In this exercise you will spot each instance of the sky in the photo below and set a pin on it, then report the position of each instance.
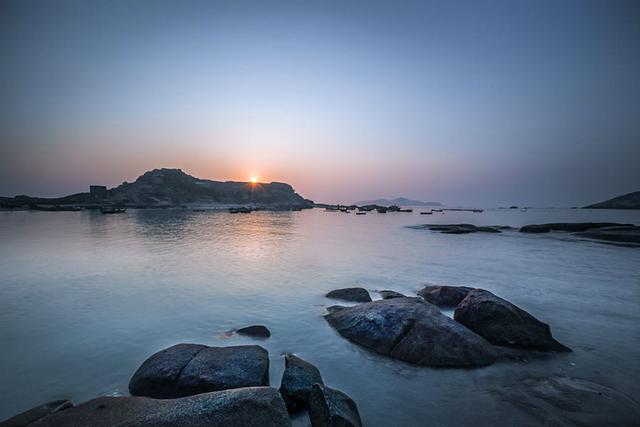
(471, 103)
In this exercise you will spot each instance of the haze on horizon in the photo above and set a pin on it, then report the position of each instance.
(480, 103)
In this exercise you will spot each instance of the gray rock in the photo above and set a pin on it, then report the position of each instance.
(332, 408)
(187, 369)
(259, 331)
(390, 294)
(244, 407)
(32, 415)
(620, 234)
(299, 375)
(350, 294)
(412, 330)
(444, 296)
(501, 322)
(573, 227)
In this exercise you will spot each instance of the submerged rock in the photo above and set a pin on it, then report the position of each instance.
(412, 330)
(259, 331)
(459, 228)
(187, 369)
(620, 234)
(332, 408)
(444, 296)
(501, 322)
(350, 294)
(32, 415)
(244, 407)
(567, 226)
(298, 378)
(386, 294)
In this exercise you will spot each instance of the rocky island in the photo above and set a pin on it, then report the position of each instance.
(161, 188)
(626, 201)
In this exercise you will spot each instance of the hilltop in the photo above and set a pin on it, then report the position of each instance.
(626, 201)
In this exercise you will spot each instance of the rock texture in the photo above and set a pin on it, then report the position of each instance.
(332, 408)
(245, 407)
(444, 296)
(390, 294)
(32, 415)
(188, 369)
(458, 228)
(298, 378)
(627, 201)
(350, 294)
(412, 330)
(501, 322)
(258, 331)
(567, 226)
(620, 234)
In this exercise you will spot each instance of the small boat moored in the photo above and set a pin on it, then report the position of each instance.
(113, 210)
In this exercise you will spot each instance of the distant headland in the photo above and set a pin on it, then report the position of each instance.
(626, 201)
(398, 201)
(163, 188)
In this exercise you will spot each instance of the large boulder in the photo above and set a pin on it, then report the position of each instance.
(297, 379)
(256, 331)
(350, 294)
(187, 369)
(444, 296)
(332, 408)
(32, 415)
(412, 330)
(501, 322)
(244, 407)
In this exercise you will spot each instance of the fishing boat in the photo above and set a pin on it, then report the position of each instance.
(426, 213)
(361, 213)
(113, 210)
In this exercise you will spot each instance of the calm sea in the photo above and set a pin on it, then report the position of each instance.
(86, 297)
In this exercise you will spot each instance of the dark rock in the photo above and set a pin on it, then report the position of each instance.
(412, 330)
(332, 408)
(32, 415)
(501, 322)
(253, 406)
(258, 331)
(444, 296)
(390, 294)
(567, 226)
(350, 294)
(187, 369)
(458, 228)
(621, 234)
(626, 201)
(297, 379)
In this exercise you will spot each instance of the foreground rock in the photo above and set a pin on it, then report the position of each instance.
(332, 408)
(620, 234)
(412, 330)
(34, 414)
(188, 369)
(390, 294)
(258, 331)
(444, 296)
(298, 378)
(458, 228)
(350, 294)
(501, 322)
(254, 406)
(567, 226)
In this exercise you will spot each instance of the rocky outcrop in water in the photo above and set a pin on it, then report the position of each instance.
(412, 330)
(298, 378)
(458, 228)
(188, 369)
(350, 294)
(256, 331)
(567, 226)
(332, 408)
(444, 296)
(626, 201)
(503, 323)
(619, 234)
(244, 407)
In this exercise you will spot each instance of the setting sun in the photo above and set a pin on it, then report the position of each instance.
(253, 179)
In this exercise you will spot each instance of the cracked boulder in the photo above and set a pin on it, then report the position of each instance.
(188, 369)
(503, 323)
(412, 330)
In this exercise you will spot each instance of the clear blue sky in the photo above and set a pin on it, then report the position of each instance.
(465, 102)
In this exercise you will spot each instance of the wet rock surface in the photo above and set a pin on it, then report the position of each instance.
(567, 226)
(298, 378)
(331, 408)
(619, 234)
(387, 294)
(257, 331)
(187, 369)
(444, 296)
(253, 406)
(32, 415)
(458, 228)
(412, 330)
(501, 322)
(350, 294)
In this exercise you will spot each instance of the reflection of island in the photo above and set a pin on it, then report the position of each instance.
(172, 187)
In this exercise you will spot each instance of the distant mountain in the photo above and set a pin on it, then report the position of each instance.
(399, 201)
(627, 201)
(173, 187)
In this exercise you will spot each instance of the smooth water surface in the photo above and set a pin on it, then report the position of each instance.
(86, 297)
